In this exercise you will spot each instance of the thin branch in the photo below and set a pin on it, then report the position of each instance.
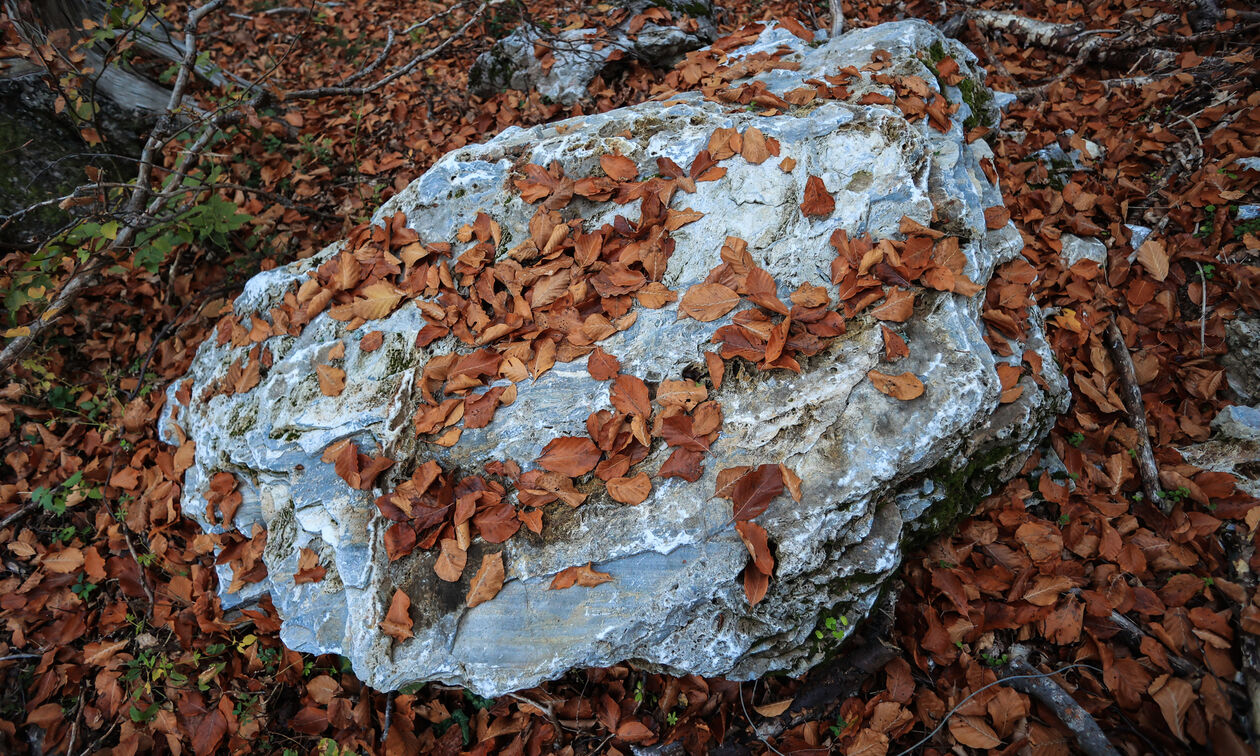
(1131, 394)
(397, 73)
(1024, 678)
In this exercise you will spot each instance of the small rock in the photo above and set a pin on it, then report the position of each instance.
(1076, 248)
(1238, 421)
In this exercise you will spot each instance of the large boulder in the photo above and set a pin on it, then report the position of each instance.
(560, 65)
(527, 281)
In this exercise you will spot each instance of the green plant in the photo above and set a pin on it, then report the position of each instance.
(994, 660)
(836, 628)
(1076, 439)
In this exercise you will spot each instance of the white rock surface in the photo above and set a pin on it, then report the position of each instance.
(578, 55)
(876, 471)
(1077, 248)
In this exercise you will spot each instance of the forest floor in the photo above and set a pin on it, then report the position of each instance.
(111, 636)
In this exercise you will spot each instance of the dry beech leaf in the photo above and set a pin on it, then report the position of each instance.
(1154, 258)
(309, 568)
(787, 164)
(619, 167)
(817, 202)
(717, 368)
(631, 491)
(65, 561)
(904, 387)
(570, 455)
(451, 561)
(488, 581)
(898, 306)
(973, 732)
(337, 352)
(995, 217)
(773, 709)
(756, 583)
(707, 302)
(757, 542)
(754, 148)
(602, 366)
(332, 380)
(371, 341)
(895, 347)
(585, 576)
(397, 623)
(792, 481)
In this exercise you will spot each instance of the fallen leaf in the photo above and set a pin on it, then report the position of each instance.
(996, 217)
(602, 365)
(773, 709)
(488, 581)
(707, 302)
(309, 568)
(898, 306)
(973, 732)
(451, 561)
(817, 202)
(570, 455)
(332, 380)
(717, 368)
(754, 147)
(585, 576)
(904, 386)
(756, 583)
(397, 623)
(756, 541)
(632, 491)
(619, 167)
(1154, 258)
(752, 492)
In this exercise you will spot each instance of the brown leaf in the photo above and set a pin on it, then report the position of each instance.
(898, 306)
(996, 217)
(631, 491)
(973, 732)
(752, 492)
(629, 394)
(894, 346)
(634, 731)
(371, 341)
(488, 581)
(792, 481)
(817, 202)
(773, 709)
(756, 541)
(570, 455)
(451, 561)
(602, 365)
(707, 302)
(309, 568)
(397, 623)
(754, 148)
(756, 583)
(619, 167)
(65, 561)
(1154, 258)
(717, 368)
(787, 164)
(585, 576)
(904, 387)
(685, 464)
(332, 380)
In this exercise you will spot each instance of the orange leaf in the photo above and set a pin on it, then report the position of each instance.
(996, 217)
(756, 541)
(754, 148)
(756, 583)
(818, 201)
(570, 455)
(619, 167)
(630, 490)
(717, 368)
(707, 302)
(973, 732)
(397, 623)
(488, 581)
(602, 365)
(898, 306)
(585, 576)
(904, 387)
(1154, 258)
(332, 380)
(450, 563)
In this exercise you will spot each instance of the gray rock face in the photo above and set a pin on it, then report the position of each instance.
(1241, 371)
(876, 472)
(578, 55)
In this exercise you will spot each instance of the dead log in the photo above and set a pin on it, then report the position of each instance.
(1131, 395)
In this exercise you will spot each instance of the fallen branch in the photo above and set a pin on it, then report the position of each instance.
(1020, 675)
(1131, 395)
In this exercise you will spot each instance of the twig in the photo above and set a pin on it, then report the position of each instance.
(6, 522)
(15, 657)
(397, 73)
(1131, 395)
(755, 729)
(1203, 304)
(1003, 681)
(837, 17)
(389, 714)
(1022, 677)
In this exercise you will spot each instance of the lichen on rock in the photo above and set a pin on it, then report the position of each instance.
(328, 468)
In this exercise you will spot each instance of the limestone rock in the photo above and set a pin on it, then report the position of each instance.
(572, 58)
(1077, 248)
(877, 472)
(1242, 335)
